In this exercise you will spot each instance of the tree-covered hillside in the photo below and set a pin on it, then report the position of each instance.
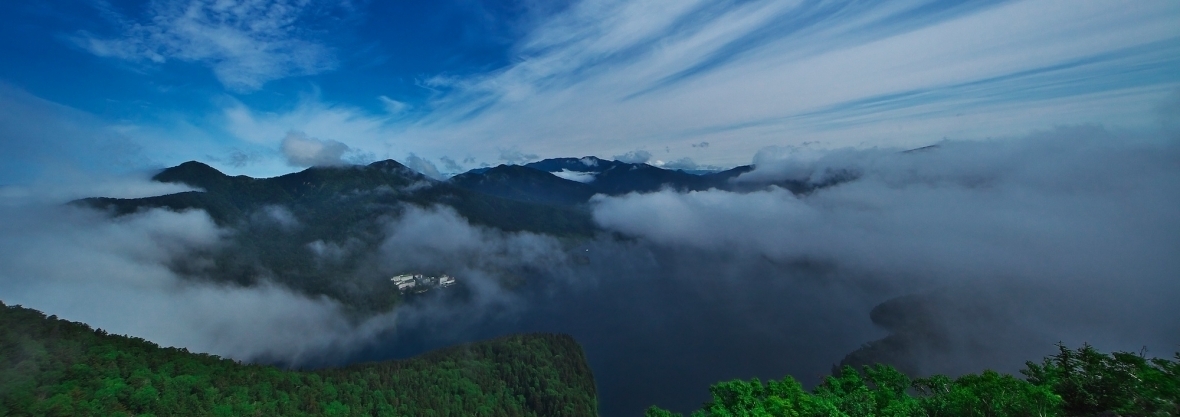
(341, 199)
(1082, 382)
(525, 184)
(538, 182)
(55, 367)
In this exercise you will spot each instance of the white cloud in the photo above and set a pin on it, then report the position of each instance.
(682, 163)
(437, 240)
(303, 151)
(423, 166)
(634, 157)
(279, 216)
(606, 76)
(393, 107)
(245, 43)
(516, 156)
(438, 237)
(582, 177)
(114, 274)
(71, 184)
(450, 164)
(1057, 232)
(364, 132)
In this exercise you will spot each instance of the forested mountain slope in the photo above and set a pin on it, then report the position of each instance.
(617, 178)
(525, 184)
(572, 181)
(345, 198)
(1081, 382)
(50, 366)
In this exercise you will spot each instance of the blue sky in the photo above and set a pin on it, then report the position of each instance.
(266, 87)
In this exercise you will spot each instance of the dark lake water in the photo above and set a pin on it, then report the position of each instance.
(659, 328)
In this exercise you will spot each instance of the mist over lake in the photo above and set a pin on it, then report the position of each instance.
(650, 339)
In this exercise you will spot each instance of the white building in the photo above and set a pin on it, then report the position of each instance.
(405, 278)
(408, 281)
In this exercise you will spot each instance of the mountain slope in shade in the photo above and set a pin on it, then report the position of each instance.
(50, 366)
(617, 178)
(523, 183)
(584, 164)
(343, 196)
(572, 181)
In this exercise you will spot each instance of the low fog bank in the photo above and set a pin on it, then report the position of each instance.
(490, 266)
(67, 185)
(148, 275)
(115, 274)
(1069, 235)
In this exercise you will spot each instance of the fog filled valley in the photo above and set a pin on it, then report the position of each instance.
(946, 259)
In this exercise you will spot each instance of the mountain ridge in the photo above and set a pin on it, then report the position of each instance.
(602, 176)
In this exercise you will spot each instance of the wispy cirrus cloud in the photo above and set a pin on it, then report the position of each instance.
(606, 75)
(245, 43)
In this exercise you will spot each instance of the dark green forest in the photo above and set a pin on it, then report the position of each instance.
(54, 367)
(1081, 382)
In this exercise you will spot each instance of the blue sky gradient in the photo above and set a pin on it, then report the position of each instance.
(118, 86)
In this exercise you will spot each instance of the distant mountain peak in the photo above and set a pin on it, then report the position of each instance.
(524, 183)
(191, 168)
(193, 173)
(388, 164)
(583, 164)
(394, 167)
(590, 161)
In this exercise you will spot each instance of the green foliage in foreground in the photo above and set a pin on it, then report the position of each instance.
(1080, 382)
(55, 367)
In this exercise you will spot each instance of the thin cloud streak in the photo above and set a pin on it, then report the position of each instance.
(245, 44)
(607, 76)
